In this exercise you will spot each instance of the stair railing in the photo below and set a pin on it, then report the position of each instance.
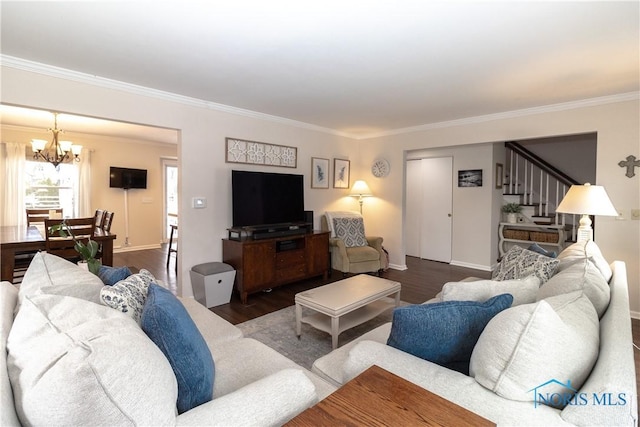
(537, 180)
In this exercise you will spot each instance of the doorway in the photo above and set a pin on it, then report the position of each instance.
(429, 201)
(170, 191)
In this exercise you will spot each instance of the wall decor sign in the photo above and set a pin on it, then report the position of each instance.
(630, 164)
(470, 178)
(260, 153)
(319, 172)
(341, 173)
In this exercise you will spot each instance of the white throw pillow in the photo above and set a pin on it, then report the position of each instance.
(128, 295)
(581, 275)
(524, 291)
(74, 362)
(330, 215)
(582, 250)
(50, 274)
(538, 348)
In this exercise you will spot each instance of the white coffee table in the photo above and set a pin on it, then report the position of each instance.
(345, 304)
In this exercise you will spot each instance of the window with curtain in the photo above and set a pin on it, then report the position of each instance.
(47, 187)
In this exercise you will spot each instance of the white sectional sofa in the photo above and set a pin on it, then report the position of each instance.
(69, 360)
(608, 396)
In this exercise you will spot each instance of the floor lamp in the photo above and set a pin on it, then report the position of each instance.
(586, 200)
(360, 190)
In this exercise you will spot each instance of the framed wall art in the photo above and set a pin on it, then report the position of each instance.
(341, 170)
(319, 172)
(260, 153)
(470, 178)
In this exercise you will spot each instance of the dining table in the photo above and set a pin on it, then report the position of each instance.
(18, 239)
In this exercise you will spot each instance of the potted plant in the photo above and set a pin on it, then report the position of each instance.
(512, 210)
(87, 252)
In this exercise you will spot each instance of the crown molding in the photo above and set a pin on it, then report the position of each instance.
(53, 71)
(591, 102)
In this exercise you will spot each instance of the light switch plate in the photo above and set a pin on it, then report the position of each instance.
(199, 202)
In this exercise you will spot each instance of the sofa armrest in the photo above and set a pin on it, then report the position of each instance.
(375, 242)
(272, 400)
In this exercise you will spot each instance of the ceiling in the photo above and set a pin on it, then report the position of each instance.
(359, 68)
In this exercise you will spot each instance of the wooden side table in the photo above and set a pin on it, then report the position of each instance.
(379, 398)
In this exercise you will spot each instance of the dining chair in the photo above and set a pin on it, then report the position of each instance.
(23, 259)
(82, 228)
(99, 218)
(37, 216)
(171, 249)
(108, 220)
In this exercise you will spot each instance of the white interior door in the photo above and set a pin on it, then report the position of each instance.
(437, 202)
(170, 169)
(413, 208)
(429, 201)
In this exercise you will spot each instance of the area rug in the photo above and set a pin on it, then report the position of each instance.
(278, 331)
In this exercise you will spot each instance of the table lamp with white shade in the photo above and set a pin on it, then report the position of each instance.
(360, 189)
(586, 200)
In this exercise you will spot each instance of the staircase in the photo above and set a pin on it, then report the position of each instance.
(538, 187)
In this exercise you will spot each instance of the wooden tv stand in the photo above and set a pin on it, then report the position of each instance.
(268, 263)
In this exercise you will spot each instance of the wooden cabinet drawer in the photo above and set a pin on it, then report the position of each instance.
(291, 273)
(289, 258)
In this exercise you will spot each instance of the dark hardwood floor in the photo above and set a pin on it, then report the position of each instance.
(421, 281)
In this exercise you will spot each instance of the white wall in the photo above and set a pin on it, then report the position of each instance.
(618, 128)
(205, 174)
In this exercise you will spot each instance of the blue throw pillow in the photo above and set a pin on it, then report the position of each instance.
(542, 251)
(167, 323)
(112, 275)
(444, 332)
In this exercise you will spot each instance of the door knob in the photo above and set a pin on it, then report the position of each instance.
(449, 215)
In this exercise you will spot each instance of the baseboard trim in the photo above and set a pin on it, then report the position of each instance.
(635, 315)
(469, 265)
(119, 249)
(400, 267)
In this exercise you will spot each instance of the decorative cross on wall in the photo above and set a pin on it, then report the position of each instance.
(630, 164)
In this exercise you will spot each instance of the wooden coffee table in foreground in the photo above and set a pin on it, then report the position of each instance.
(346, 303)
(379, 398)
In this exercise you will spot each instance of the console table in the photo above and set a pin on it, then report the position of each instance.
(378, 397)
(268, 263)
(528, 233)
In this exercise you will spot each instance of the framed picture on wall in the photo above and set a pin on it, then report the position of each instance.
(319, 172)
(470, 178)
(341, 173)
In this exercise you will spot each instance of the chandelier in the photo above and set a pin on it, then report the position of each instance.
(58, 151)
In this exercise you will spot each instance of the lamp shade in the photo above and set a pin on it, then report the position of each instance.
(587, 199)
(360, 188)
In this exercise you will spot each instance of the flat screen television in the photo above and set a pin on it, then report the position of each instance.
(127, 178)
(265, 198)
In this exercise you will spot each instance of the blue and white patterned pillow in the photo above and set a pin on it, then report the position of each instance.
(351, 231)
(128, 295)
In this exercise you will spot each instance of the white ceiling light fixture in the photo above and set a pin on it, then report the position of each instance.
(58, 151)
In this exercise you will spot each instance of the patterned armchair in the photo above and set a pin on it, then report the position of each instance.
(351, 250)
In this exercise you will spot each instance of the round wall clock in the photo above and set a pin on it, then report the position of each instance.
(380, 168)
